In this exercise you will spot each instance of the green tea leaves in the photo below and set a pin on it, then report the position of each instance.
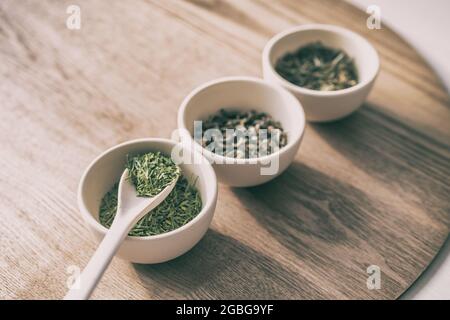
(151, 173)
(318, 67)
(181, 206)
(242, 134)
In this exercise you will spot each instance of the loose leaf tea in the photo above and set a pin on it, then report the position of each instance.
(181, 206)
(242, 134)
(318, 67)
(151, 173)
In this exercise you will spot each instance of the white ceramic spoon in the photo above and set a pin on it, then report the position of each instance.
(130, 208)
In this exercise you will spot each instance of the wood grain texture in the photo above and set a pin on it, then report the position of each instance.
(370, 189)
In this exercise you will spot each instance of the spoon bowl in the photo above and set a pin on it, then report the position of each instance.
(132, 207)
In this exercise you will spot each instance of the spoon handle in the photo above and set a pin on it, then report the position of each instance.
(129, 210)
(91, 275)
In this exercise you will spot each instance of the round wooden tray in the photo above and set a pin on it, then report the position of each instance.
(371, 189)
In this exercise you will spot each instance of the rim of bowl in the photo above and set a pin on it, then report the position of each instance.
(206, 167)
(223, 159)
(340, 31)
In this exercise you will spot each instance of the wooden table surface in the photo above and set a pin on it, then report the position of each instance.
(371, 189)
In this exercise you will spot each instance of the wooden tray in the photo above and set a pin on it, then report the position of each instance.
(368, 190)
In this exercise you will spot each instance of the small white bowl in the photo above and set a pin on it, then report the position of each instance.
(106, 170)
(324, 105)
(244, 93)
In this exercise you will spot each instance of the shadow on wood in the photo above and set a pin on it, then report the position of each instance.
(221, 267)
(315, 215)
(398, 155)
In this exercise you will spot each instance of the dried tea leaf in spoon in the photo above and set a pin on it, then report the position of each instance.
(151, 172)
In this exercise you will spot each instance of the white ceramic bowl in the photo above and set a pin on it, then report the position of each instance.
(104, 171)
(244, 93)
(324, 105)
